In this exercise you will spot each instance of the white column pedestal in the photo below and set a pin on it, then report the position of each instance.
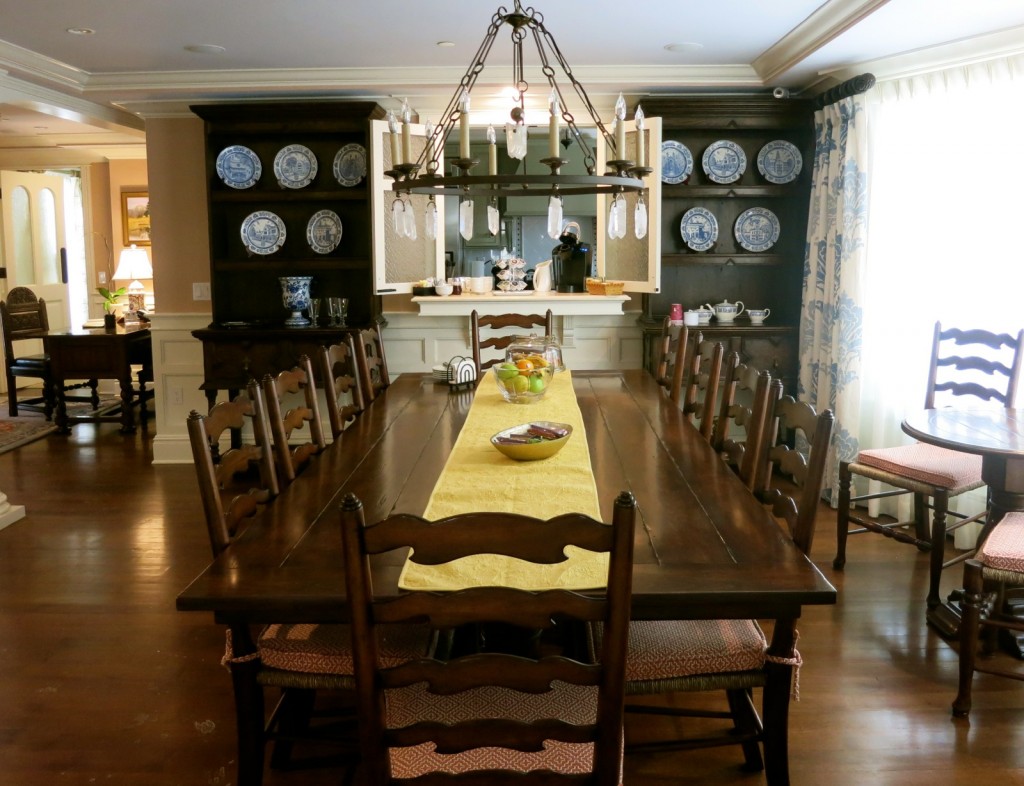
(9, 513)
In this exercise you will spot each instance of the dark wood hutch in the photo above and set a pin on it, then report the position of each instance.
(726, 271)
(247, 337)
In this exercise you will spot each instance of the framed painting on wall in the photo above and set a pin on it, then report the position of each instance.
(135, 217)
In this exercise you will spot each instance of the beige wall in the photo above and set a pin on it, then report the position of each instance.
(177, 187)
(104, 242)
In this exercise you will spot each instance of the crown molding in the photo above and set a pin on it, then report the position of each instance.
(68, 107)
(966, 51)
(37, 67)
(821, 27)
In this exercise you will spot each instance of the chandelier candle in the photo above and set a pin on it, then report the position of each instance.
(492, 151)
(620, 128)
(641, 150)
(396, 153)
(464, 124)
(556, 110)
(407, 134)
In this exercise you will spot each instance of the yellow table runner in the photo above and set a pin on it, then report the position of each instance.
(477, 477)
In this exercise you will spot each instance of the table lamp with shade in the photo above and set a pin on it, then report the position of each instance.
(132, 265)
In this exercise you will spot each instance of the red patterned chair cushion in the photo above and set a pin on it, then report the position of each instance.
(949, 469)
(1003, 549)
(684, 648)
(327, 649)
(571, 703)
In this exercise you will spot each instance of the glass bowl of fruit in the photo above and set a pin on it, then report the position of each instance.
(522, 382)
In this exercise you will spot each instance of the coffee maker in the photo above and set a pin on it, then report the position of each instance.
(572, 260)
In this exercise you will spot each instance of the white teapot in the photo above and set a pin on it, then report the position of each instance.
(726, 312)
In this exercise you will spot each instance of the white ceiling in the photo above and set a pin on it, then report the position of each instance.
(92, 92)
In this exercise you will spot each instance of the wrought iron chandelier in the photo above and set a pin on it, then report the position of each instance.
(424, 175)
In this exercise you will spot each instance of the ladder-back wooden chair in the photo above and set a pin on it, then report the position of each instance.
(490, 717)
(293, 456)
(745, 453)
(672, 346)
(703, 376)
(689, 656)
(339, 370)
(372, 363)
(967, 367)
(23, 318)
(501, 322)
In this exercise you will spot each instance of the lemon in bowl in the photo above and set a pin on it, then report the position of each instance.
(521, 383)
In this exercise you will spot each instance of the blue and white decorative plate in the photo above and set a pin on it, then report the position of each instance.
(676, 162)
(323, 232)
(263, 232)
(294, 166)
(238, 166)
(699, 228)
(724, 161)
(350, 165)
(779, 162)
(757, 229)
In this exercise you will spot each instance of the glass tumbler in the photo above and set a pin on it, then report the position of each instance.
(338, 310)
(314, 311)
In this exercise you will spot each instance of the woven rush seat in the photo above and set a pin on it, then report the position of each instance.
(672, 651)
(327, 649)
(951, 469)
(570, 703)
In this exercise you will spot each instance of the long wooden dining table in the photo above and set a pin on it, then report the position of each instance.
(705, 547)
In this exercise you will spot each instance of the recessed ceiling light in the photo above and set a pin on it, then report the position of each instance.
(686, 46)
(80, 30)
(446, 44)
(206, 49)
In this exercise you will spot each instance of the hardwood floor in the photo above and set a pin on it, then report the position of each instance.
(104, 682)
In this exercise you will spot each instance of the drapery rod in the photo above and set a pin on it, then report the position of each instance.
(851, 87)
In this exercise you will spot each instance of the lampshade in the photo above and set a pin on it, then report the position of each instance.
(133, 264)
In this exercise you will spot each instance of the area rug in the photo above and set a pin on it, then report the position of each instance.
(30, 426)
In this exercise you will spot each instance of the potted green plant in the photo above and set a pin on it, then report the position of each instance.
(110, 299)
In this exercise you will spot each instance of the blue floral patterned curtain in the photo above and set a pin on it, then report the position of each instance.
(831, 315)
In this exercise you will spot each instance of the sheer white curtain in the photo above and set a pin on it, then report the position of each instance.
(946, 227)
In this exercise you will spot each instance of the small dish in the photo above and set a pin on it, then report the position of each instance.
(422, 291)
(444, 290)
(724, 161)
(779, 162)
(757, 229)
(544, 447)
(350, 165)
(699, 228)
(323, 232)
(263, 232)
(295, 166)
(676, 162)
(238, 166)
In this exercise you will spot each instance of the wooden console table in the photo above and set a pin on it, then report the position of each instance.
(100, 354)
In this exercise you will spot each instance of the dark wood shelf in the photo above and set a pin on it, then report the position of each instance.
(356, 194)
(704, 258)
(734, 191)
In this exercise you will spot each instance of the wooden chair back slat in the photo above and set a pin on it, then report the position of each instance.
(372, 363)
(284, 423)
(339, 370)
(995, 359)
(478, 322)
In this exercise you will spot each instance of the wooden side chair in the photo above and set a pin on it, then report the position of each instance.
(732, 655)
(296, 659)
(966, 366)
(672, 346)
(339, 370)
(499, 322)
(490, 717)
(235, 484)
(703, 376)
(996, 569)
(372, 363)
(746, 453)
(293, 456)
(23, 318)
